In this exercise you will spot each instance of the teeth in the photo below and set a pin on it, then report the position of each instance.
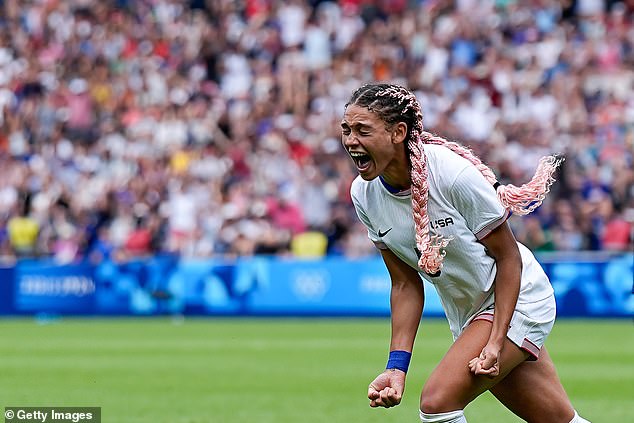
(357, 154)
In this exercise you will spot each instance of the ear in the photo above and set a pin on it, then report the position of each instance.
(399, 133)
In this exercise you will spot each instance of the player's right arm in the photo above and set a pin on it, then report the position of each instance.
(406, 303)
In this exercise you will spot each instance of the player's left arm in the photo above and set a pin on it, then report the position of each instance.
(476, 200)
(502, 246)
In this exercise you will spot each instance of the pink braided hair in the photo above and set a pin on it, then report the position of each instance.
(521, 200)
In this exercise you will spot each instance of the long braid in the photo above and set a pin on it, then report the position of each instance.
(430, 247)
(397, 104)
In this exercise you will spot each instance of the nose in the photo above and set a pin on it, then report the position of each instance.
(349, 140)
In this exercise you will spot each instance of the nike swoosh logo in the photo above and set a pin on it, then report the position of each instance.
(382, 234)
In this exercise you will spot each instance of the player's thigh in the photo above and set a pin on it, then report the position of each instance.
(452, 386)
(534, 392)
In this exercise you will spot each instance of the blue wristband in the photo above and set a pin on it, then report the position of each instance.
(399, 360)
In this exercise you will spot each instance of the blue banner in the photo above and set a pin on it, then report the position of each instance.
(585, 285)
(334, 286)
(7, 279)
(591, 285)
(44, 287)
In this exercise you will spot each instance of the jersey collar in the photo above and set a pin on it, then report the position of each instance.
(393, 190)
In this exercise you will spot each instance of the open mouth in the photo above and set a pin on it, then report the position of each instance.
(361, 160)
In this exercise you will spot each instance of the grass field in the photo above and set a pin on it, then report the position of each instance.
(273, 370)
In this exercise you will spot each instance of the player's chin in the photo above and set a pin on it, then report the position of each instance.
(368, 174)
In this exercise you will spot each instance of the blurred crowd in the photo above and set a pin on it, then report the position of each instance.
(211, 128)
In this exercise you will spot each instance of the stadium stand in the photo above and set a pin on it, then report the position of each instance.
(211, 128)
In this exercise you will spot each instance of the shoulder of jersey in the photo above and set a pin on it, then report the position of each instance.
(439, 151)
(359, 184)
(443, 156)
(361, 189)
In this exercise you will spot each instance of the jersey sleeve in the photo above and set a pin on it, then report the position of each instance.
(476, 200)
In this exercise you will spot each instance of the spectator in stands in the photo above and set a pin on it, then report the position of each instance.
(23, 230)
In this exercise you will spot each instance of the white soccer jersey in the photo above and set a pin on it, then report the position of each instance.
(462, 206)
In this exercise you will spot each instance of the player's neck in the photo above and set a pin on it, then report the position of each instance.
(393, 186)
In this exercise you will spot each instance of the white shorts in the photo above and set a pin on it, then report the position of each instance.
(530, 325)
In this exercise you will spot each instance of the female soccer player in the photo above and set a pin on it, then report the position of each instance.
(435, 210)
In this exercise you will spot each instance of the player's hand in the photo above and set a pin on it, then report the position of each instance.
(387, 389)
(487, 363)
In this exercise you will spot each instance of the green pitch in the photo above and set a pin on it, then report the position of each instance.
(274, 370)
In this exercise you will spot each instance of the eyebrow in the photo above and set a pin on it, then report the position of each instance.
(356, 125)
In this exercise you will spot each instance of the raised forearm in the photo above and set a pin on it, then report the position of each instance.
(406, 301)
